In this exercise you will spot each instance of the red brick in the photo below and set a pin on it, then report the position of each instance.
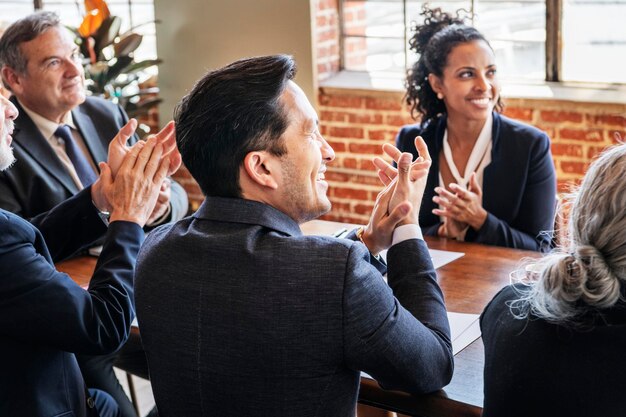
(326, 4)
(367, 180)
(607, 119)
(560, 149)
(364, 148)
(341, 101)
(377, 134)
(337, 146)
(594, 151)
(382, 104)
(561, 116)
(519, 113)
(591, 135)
(322, 69)
(399, 121)
(346, 132)
(363, 208)
(327, 34)
(333, 116)
(350, 193)
(336, 176)
(615, 139)
(365, 118)
(570, 167)
(349, 163)
(367, 165)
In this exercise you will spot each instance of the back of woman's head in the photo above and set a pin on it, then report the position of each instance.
(433, 40)
(588, 274)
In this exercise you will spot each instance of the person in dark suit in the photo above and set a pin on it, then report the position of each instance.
(59, 139)
(45, 318)
(558, 334)
(243, 315)
(492, 179)
(41, 67)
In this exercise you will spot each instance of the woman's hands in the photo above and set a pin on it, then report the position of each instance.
(460, 207)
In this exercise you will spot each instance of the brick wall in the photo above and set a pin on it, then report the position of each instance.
(326, 38)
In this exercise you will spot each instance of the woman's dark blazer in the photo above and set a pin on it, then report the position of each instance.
(519, 185)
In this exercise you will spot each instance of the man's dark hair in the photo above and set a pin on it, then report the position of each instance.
(230, 112)
(24, 30)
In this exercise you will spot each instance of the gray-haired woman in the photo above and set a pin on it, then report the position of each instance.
(555, 345)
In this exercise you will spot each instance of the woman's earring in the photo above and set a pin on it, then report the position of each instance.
(440, 96)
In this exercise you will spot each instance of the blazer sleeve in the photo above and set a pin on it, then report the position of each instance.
(45, 307)
(397, 333)
(71, 226)
(532, 229)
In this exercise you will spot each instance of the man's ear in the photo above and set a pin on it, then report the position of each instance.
(262, 168)
(12, 80)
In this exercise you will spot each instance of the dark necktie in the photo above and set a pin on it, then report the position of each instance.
(83, 169)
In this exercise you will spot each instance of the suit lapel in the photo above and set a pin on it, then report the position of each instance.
(90, 135)
(492, 175)
(28, 137)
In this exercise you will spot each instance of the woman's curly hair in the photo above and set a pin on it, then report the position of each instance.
(433, 40)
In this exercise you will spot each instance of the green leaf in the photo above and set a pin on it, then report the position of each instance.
(106, 33)
(121, 63)
(127, 44)
(141, 65)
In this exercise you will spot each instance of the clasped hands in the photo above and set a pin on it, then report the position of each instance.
(132, 184)
(460, 207)
(399, 202)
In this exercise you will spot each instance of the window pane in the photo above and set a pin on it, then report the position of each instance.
(10, 11)
(374, 54)
(594, 41)
(373, 18)
(142, 18)
(516, 32)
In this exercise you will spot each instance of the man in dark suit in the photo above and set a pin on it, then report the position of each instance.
(41, 66)
(59, 139)
(240, 313)
(45, 318)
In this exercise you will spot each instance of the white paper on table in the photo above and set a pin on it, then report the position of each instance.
(464, 329)
(439, 257)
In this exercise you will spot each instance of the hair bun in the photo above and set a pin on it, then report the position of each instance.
(601, 287)
(434, 21)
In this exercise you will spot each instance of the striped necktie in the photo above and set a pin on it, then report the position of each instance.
(83, 169)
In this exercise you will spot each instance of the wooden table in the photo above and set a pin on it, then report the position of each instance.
(468, 284)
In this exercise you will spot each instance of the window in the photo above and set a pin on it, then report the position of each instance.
(591, 46)
(138, 14)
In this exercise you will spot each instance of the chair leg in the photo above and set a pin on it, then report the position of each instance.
(133, 394)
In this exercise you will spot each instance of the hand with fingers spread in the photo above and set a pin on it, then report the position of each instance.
(399, 202)
(461, 206)
(119, 149)
(133, 192)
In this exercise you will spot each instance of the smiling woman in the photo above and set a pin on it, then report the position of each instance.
(492, 180)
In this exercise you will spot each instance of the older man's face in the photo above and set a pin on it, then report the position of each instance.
(8, 113)
(53, 83)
